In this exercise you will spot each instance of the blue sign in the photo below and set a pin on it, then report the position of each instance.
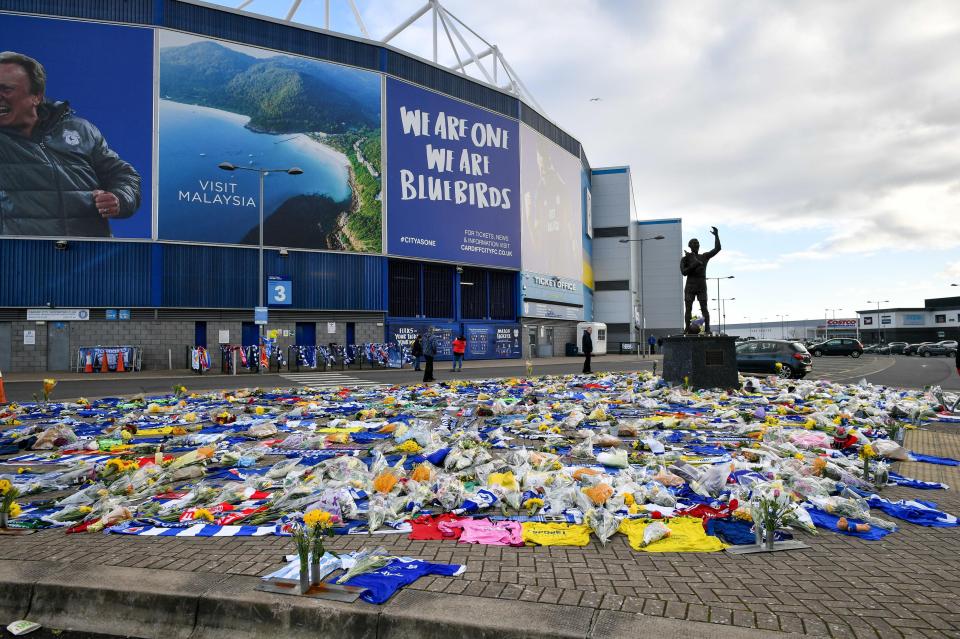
(913, 319)
(111, 314)
(453, 184)
(550, 288)
(260, 315)
(280, 292)
(493, 341)
(124, 313)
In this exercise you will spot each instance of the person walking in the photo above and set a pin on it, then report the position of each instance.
(652, 342)
(459, 349)
(429, 352)
(416, 349)
(586, 345)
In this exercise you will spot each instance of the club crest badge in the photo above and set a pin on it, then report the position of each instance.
(71, 137)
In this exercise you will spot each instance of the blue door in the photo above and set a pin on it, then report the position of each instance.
(351, 335)
(200, 334)
(306, 334)
(251, 334)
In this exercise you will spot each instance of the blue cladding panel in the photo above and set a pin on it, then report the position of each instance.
(229, 26)
(451, 83)
(225, 277)
(548, 129)
(34, 272)
(132, 11)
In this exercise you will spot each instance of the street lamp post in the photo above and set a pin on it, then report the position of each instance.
(878, 303)
(722, 312)
(781, 324)
(725, 277)
(228, 166)
(643, 310)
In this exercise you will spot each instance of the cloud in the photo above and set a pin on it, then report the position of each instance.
(951, 272)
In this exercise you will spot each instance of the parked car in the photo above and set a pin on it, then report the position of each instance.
(762, 356)
(949, 343)
(896, 348)
(930, 350)
(883, 349)
(911, 349)
(838, 346)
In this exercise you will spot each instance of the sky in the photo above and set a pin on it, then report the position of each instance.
(822, 138)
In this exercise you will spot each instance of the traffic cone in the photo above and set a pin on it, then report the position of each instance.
(3, 393)
(120, 368)
(88, 368)
(104, 366)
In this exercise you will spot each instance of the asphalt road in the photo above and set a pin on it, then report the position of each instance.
(896, 370)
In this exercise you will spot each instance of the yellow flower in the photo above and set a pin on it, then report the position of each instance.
(410, 446)
(190, 417)
(867, 452)
(505, 480)
(202, 514)
(14, 510)
(533, 504)
(798, 456)
(5, 486)
(84, 509)
(48, 385)
(316, 518)
(259, 410)
(628, 499)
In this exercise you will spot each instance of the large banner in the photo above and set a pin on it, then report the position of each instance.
(454, 180)
(76, 129)
(552, 207)
(492, 341)
(258, 109)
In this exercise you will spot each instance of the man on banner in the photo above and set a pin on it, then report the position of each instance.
(57, 174)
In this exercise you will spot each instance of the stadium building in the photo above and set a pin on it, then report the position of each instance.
(395, 194)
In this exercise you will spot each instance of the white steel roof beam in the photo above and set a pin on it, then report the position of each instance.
(406, 23)
(466, 45)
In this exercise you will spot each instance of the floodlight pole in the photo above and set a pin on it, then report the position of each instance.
(227, 166)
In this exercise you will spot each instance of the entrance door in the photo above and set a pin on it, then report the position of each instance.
(306, 334)
(6, 345)
(200, 334)
(58, 346)
(351, 333)
(532, 334)
(250, 335)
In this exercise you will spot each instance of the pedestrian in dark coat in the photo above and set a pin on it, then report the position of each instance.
(429, 352)
(416, 349)
(586, 345)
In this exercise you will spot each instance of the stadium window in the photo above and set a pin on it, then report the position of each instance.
(940, 319)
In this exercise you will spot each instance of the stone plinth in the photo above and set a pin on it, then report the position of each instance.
(706, 361)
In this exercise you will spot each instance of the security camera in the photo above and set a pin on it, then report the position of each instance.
(284, 252)
(460, 270)
(61, 245)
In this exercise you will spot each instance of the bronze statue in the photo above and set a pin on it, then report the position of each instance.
(694, 266)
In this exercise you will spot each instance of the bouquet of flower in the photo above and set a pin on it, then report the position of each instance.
(46, 390)
(366, 561)
(769, 508)
(8, 505)
(655, 531)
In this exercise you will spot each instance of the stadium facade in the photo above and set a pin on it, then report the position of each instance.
(422, 197)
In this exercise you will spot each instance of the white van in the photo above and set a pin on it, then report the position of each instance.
(599, 337)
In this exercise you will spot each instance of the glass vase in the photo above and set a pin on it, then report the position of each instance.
(3, 520)
(304, 577)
